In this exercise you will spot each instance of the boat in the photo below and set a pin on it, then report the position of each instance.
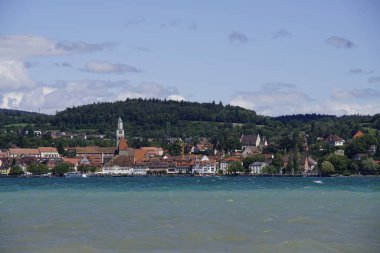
(318, 182)
(73, 174)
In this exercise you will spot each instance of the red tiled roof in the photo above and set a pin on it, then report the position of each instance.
(48, 150)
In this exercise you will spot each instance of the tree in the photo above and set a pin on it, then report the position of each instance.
(61, 168)
(327, 168)
(340, 163)
(270, 169)
(235, 167)
(368, 166)
(38, 169)
(16, 171)
(277, 161)
(251, 159)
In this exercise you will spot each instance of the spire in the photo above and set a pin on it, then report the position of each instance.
(120, 124)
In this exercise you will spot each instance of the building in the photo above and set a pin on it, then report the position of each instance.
(24, 152)
(5, 166)
(119, 131)
(4, 153)
(48, 152)
(250, 151)
(224, 163)
(153, 151)
(334, 140)
(204, 166)
(253, 141)
(257, 167)
(307, 164)
(250, 141)
(358, 134)
(96, 155)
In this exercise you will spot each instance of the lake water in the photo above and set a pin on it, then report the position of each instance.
(189, 214)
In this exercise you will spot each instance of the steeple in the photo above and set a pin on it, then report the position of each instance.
(120, 124)
(119, 131)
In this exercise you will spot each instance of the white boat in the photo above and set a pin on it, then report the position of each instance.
(318, 182)
(73, 174)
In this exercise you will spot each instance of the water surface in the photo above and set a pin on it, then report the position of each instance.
(189, 214)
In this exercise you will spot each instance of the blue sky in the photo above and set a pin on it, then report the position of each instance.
(275, 57)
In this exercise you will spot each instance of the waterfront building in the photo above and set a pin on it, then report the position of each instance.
(257, 167)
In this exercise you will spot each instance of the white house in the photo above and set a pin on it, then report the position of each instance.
(257, 167)
(48, 152)
(204, 167)
(335, 141)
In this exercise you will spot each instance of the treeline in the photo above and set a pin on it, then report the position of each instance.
(151, 111)
(161, 119)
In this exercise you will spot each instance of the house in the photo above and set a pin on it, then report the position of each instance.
(48, 152)
(157, 165)
(5, 166)
(358, 134)
(307, 164)
(334, 140)
(203, 145)
(224, 163)
(153, 151)
(183, 165)
(204, 166)
(4, 153)
(250, 151)
(257, 167)
(24, 152)
(99, 155)
(74, 162)
(250, 141)
(372, 150)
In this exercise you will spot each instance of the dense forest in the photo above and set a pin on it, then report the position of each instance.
(160, 119)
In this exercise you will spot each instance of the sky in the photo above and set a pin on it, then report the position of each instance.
(275, 57)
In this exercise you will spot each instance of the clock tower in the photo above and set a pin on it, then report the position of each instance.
(119, 131)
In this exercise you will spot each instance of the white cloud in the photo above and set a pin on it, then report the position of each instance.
(14, 76)
(11, 100)
(146, 90)
(365, 94)
(176, 97)
(63, 94)
(280, 98)
(273, 99)
(106, 67)
(18, 47)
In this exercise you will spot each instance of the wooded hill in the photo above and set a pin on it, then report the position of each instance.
(153, 118)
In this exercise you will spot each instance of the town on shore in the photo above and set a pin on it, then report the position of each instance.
(256, 157)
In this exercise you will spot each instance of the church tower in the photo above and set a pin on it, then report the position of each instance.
(119, 131)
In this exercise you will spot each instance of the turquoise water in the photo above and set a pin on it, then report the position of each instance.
(185, 214)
